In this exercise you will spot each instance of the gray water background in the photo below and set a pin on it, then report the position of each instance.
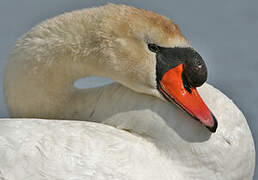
(224, 32)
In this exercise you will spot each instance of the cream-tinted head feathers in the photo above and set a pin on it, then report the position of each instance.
(126, 33)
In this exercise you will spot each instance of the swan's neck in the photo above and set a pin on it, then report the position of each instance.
(47, 61)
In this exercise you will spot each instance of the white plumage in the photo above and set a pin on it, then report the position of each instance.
(164, 144)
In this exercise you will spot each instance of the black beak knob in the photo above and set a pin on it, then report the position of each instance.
(195, 70)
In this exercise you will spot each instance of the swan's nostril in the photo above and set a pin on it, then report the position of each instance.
(187, 86)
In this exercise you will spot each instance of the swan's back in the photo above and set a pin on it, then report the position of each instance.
(50, 149)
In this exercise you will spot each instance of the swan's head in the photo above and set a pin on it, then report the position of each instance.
(147, 53)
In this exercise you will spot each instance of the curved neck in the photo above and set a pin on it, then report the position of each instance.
(47, 61)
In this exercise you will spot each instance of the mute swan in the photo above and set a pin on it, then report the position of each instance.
(147, 55)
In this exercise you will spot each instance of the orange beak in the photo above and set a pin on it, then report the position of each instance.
(173, 88)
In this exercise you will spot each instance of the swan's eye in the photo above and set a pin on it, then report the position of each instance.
(153, 47)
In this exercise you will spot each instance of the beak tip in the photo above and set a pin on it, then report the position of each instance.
(215, 125)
